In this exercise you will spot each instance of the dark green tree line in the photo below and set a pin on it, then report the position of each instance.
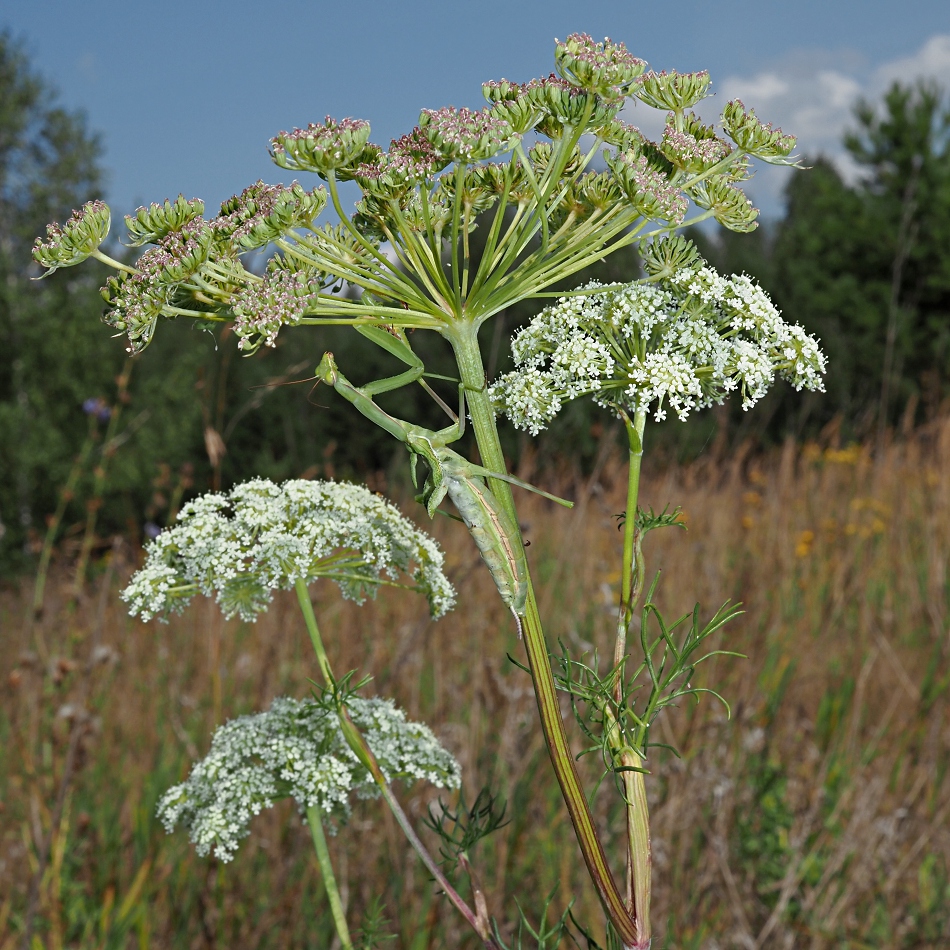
(55, 356)
(865, 265)
(48, 361)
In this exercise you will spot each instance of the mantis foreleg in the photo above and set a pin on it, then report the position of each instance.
(393, 341)
(327, 372)
(399, 347)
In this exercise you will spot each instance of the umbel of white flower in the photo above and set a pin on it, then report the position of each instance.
(683, 338)
(242, 545)
(296, 749)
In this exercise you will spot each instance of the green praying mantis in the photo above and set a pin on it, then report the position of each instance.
(498, 539)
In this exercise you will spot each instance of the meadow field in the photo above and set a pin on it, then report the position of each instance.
(817, 816)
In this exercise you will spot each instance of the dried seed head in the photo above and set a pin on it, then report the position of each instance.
(72, 242)
(461, 135)
(149, 225)
(607, 69)
(756, 137)
(673, 90)
(322, 148)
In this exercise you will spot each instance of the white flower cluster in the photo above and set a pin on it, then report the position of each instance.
(682, 343)
(296, 749)
(259, 537)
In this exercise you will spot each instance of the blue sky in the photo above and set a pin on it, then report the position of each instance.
(187, 94)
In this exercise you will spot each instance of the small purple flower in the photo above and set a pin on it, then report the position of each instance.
(97, 407)
(151, 530)
(412, 158)
(413, 154)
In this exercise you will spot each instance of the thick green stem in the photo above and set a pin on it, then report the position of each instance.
(638, 843)
(329, 880)
(639, 861)
(364, 753)
(639, 855)
(631, 575)
(465, 344)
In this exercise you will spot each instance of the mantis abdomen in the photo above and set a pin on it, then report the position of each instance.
(497, 538)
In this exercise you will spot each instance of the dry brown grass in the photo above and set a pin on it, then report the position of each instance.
(816, 817)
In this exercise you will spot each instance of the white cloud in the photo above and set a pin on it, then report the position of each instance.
(812, 94)
(931, 62)
(765, 87)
